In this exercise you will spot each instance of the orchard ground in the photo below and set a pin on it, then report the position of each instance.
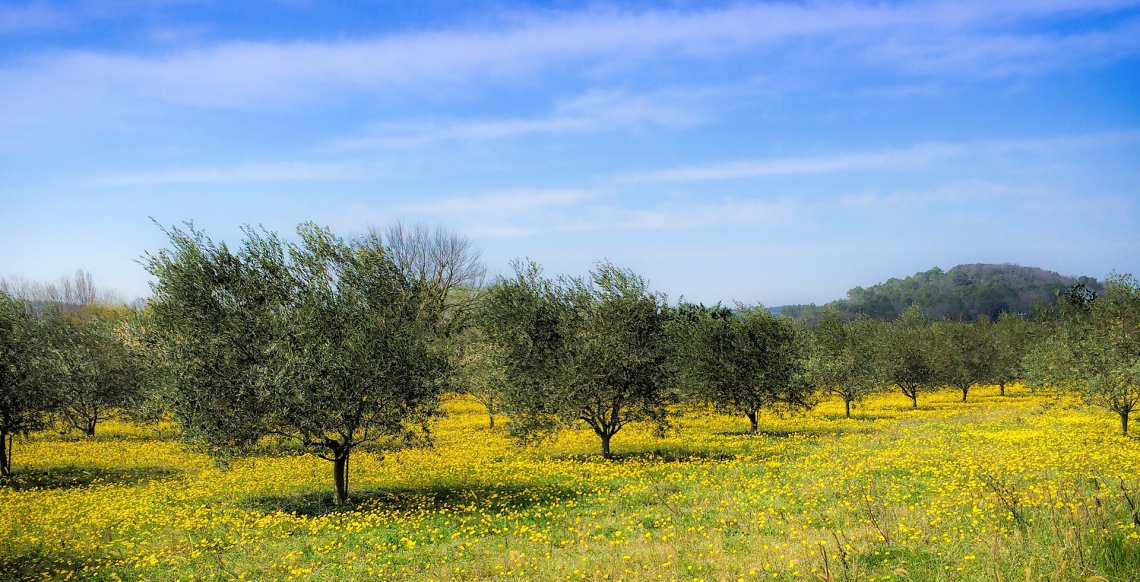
(1023, 487)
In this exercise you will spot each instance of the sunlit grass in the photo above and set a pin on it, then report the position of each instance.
(1009, 488)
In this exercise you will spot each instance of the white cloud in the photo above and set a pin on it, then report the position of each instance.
(592, 112)
(522, 200)
(801, 165)
(32, 17)
(533, 212)
(965, 37)
(258, 172)
(903, 159)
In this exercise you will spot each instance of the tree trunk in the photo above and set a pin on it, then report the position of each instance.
(1001, 386)
(1124, 423)
(606, 454)
(914, 398)
(753, 424)
(340, 474)
(965, 389)
(5, 454)
(847, 403)
(491, 416)
(89, 430)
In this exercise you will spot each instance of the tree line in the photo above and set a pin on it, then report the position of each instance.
(963, 292)
(334, 344)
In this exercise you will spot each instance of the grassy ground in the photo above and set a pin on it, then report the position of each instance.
(1022, 487)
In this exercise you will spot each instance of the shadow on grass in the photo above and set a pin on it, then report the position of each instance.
(458, 499)
(657, 455)
(71, 476)
(36, 564)
(810, 431)
(862, 416)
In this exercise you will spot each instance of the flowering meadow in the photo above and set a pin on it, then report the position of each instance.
(1021, 487)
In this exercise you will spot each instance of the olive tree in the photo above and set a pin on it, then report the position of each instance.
(962, 353)
(905, 354)
(27, 370)
(750, 362)
(593, 350)
(101, 374)
(476, 370)
(1095, 348)
(842, 359)
(1011, 336)
(321, 341)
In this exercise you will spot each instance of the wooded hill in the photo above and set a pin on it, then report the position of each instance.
(964, 292)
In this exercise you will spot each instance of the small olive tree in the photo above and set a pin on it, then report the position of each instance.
(101, 376)
(750, 362)
(1011, 337)
(1095, 348)
(962, 354)
(476, 370)
(28, 369)
(593, 350)
(842, 359)
(905, 354)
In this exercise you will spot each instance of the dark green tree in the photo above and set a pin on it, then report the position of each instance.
(750, 362)
(1011, 337)
(321, 341)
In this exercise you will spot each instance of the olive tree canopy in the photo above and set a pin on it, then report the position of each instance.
(319, 340)
(593, 350)
(28, 372)
(1095, 348)
(749, 361)
(842, 359)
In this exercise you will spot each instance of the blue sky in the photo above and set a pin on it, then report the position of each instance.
(776, 152)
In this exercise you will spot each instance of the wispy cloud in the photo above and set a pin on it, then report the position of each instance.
(595, 111)
(903, 159)
(801, 165)
(967, 37)
(29, 18)
(533, 212)
(521, 200)
(257, 172)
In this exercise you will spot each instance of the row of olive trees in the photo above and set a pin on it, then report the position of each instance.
(1086, 344)
(605, 351)
(852, 359)
(338, 343)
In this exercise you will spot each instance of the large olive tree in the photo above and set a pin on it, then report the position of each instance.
(320, 340)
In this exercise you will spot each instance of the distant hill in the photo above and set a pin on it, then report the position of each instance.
(964, 292)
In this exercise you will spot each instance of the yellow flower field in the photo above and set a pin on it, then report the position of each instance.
(1022, 487)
